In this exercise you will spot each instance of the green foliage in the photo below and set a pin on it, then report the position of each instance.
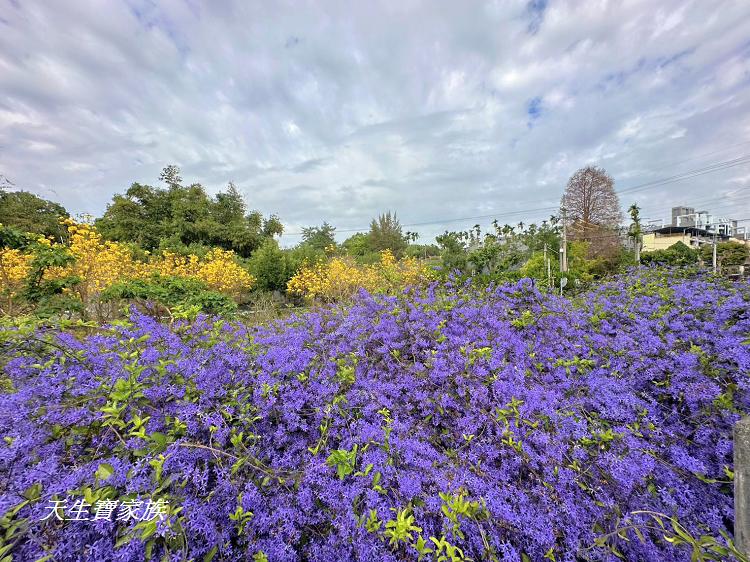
(727, 253)
(454, 508)
(12, 237)
(183, 218)
(702, 549)
(358, 246)
(176, 294)
(29, 213)
(635, 231)
(295, 258)
(344, 461)
(422, 251)
(268, 265)
(401, 528)
(501, 253)
(452, 251)
(386, 234)
(48, 296)
(319, 237)
(677, 254)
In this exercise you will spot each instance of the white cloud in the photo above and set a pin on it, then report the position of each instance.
(335, 112)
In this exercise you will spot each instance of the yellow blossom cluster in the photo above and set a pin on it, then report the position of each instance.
(218, 269)
(100, 263)
(340, 278)
(14, 267)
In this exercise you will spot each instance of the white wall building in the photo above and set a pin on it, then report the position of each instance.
(687, 216)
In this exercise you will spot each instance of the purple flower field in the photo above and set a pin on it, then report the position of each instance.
(453, 423)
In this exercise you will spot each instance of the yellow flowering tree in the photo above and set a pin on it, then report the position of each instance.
(14, 268)
(218, 269)
(98, 264)
(340, 278)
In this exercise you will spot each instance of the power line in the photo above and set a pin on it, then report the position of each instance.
(698, 157)
(718, 166)
(441, 221)
(715, 203)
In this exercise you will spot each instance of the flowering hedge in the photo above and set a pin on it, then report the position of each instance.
(99, 264)
(340, 278)
(446, 424)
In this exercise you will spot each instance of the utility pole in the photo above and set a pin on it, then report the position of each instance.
(742, 485)
(564, 248)
(714, 253)
(547, 265)
(638, 252)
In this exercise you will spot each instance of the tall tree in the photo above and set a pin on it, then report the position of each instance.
(592, 210)
(171, 176)
(386, 234)
(319, 237)
(230, 207)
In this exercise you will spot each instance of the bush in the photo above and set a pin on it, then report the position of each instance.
(446, 425)
(729, 253)
(269, 267)
(677, 254)
(165, 294)
(51, 277)
(340, 278)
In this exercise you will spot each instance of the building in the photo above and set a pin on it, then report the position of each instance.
(691, 236)
(703, 220)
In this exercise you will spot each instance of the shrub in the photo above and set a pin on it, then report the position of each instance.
(268, 265)
(677, 254)
(75, 275)
(452, 424)
(341, 278)
(730, 253)
(159, 294)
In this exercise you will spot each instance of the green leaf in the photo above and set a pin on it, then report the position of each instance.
(210, 554)
(105, 471)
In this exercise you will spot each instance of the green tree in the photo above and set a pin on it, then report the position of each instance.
(171, 176)
(359, 247)
(186, 218)
(301, 254)
(30, 213)
(677, 254)
(635, 233)
(268, 265)
(319, 237)
(453, 251)
(727, 253)
(386, 234)
(229, 207)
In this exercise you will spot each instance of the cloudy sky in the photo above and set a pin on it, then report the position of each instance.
(335, 111)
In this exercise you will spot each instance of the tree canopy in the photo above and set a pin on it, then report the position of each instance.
(319, 237)
(593, 210)
(185, 216)
(386, 234)
(727, 253)
(29, 213)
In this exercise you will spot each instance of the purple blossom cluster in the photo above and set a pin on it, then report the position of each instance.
(494, 423)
